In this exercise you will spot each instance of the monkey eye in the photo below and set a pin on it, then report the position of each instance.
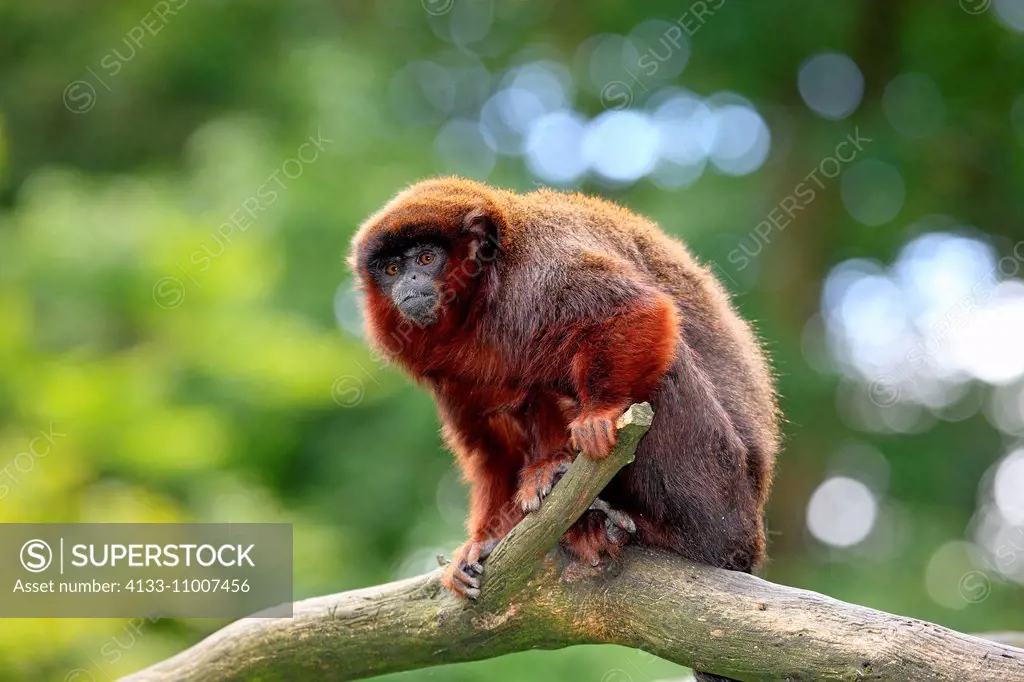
(426, 258)
(391, 269)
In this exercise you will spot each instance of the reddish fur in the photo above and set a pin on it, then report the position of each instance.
(588, 540)
(559, 311)
(536, 480)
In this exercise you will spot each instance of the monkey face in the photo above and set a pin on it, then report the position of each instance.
(411, 278)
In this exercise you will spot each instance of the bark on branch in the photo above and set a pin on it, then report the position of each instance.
(728, 623)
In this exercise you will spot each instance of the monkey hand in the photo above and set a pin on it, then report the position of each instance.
(462, 576)
(537, 480)
(593, 433)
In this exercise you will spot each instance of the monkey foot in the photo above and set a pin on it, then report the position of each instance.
(594, 434)
(537, 480)
(618, 525)
(463, 574)
(598, 534)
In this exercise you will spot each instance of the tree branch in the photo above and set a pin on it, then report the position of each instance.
(732, 624)
(1008, 638)
(516, 556)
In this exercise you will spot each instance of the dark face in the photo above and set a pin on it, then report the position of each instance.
(412, 280)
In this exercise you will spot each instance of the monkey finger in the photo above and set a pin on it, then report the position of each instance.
(536, 482)
(604, 437)
(461, 590)
(606, 430)
(472, 560)
(619, 519)
(532, 493)
(456, 580)
(461, 576)
(556, 474)
(593, 436)
(614, 533)
(580, 441)
(561, 470)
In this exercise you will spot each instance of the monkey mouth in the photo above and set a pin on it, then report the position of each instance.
(419, 307)
(415, 296)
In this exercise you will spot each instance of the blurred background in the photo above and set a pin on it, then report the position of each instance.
(179, 182)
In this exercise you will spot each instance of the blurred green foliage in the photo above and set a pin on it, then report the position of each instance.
(229, 393)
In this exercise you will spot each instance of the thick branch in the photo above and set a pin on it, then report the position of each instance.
(516, 557)
(728, 623)
(1009, 638)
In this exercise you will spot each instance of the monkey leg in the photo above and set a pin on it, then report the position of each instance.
(536, 481)
(463, 574)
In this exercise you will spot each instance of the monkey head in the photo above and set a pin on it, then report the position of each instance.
(423, 259)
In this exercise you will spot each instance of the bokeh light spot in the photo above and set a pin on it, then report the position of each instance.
(872, 192)
(831, 85)
(621, 145)
(841, 512)
(554, 148)
(1008, 487)
(914, 105)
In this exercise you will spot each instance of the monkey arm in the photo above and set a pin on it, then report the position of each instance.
(620, 359)
(484, 448)
(488, 444)
(492, 512)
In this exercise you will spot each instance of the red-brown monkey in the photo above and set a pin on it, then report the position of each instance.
(535, 320)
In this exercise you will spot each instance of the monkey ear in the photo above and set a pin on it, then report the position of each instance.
(486, 226)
